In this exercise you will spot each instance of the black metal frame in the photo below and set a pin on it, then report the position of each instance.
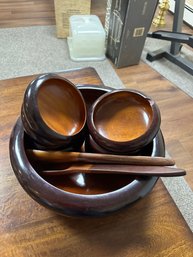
(176, 38)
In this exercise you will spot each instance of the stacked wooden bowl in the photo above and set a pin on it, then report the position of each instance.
(57, 115)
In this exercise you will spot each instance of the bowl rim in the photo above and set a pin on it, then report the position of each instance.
(142, 140)
(51, 196)
(18, 134)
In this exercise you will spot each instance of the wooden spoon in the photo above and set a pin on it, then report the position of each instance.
(159, 171)
(69, 157)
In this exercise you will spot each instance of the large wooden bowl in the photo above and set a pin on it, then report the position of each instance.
(79, 194)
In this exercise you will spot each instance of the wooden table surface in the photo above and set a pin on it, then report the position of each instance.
(152, 226)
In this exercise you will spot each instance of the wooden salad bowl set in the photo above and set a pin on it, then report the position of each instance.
(87, 150)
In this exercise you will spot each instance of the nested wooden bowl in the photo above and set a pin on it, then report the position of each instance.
(54, 112)
(93, 147)
(124, 120)
(79, 194)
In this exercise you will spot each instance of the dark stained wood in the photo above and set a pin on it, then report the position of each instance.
(111, 169)
(110, 115)
(71, 157)
(47, 100)
(8, 95)
(176, 112)
(150, 227)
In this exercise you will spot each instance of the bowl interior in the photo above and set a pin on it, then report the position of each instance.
(122, 116)
(59, 100)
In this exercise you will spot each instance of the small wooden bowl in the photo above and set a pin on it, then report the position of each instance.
(79, 194)
(54, 112)
(124, 120)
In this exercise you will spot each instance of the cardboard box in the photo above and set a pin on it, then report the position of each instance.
(66, 8)
(127, 24)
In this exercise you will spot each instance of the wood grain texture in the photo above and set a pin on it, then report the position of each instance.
(20, 13)
(26, 13)
(176, 112)
(150, 227)
(73, 157)
(127, 233)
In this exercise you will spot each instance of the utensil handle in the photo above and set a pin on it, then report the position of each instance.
(159, 171)
(69, 157)
(123, 159)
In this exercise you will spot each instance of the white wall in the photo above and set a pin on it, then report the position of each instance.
(188, 11)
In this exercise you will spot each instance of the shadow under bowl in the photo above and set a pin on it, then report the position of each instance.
(79, 194)
(123, 120)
